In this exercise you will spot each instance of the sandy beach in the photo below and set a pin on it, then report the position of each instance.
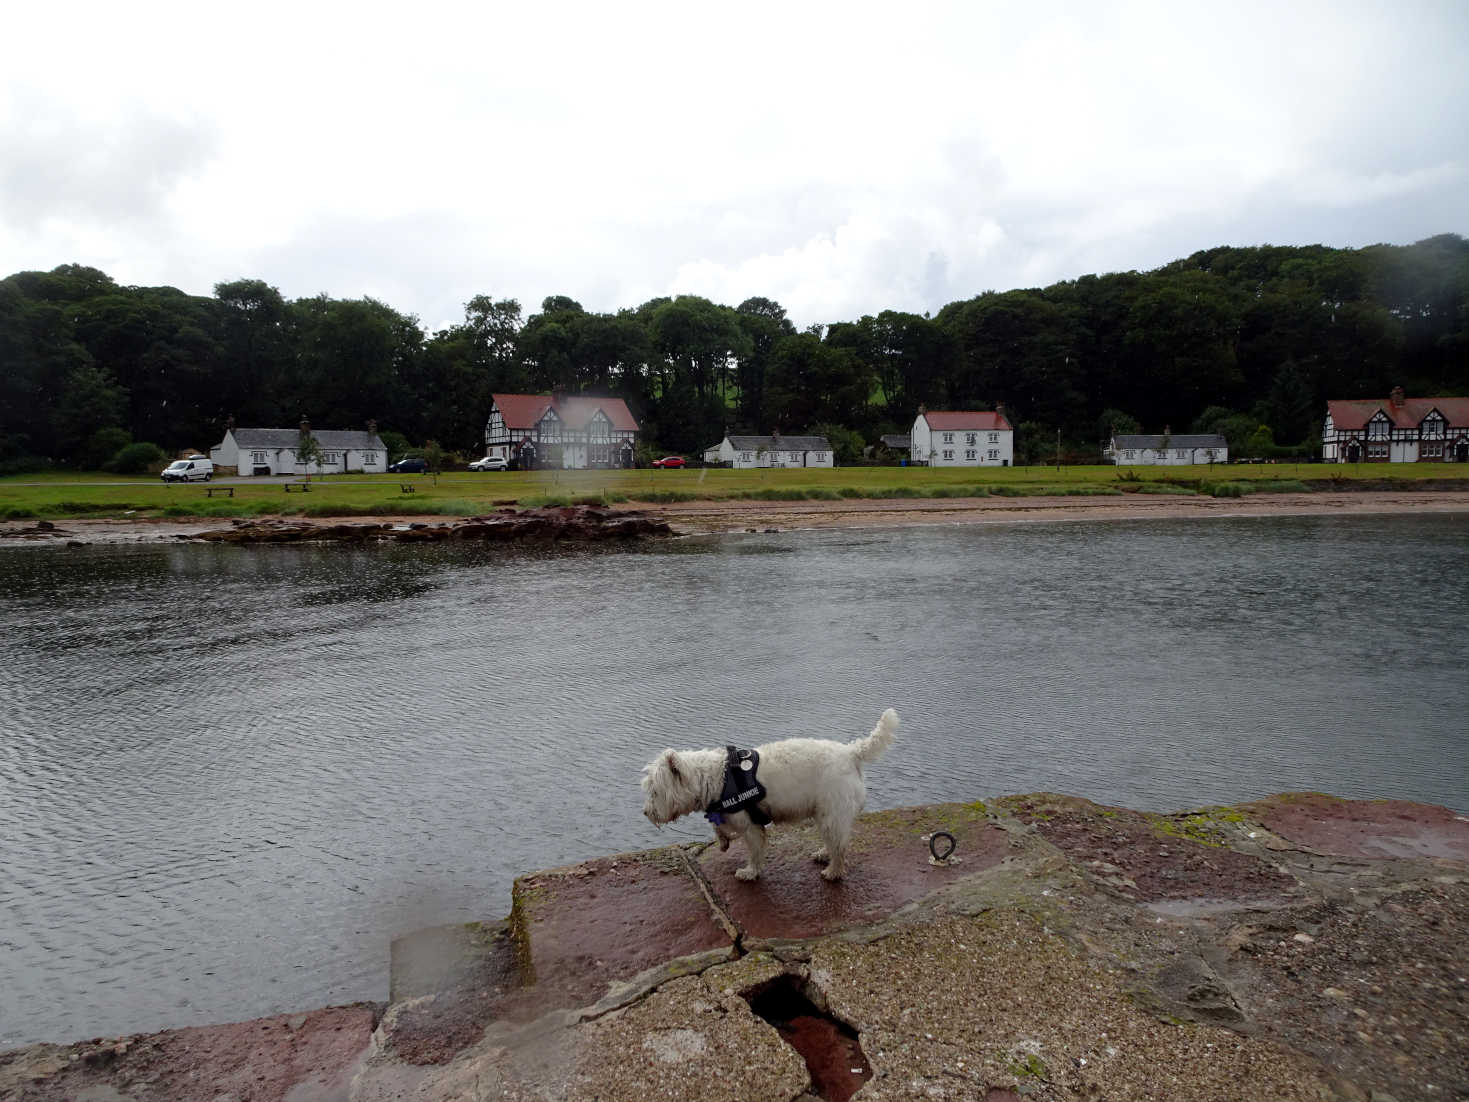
(713, 517)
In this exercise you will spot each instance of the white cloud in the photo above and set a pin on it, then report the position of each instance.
(843, 159)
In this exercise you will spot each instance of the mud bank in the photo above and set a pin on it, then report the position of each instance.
(1296, 947)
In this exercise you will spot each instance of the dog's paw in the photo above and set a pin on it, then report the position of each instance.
(723, 843)
(821, 857)
(831, 874)
(747, 873)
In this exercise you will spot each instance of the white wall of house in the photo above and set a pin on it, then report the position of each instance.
(247, 460)
(962, 447)
(1168, 457)
(752, 458)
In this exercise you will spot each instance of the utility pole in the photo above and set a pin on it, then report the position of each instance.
(1058, 449)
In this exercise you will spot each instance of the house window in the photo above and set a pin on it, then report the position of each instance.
(1376, 451)
(969, 453)
(331, 457)
(1377, 429)
(948, 438)
(994, 453)
(259, 457)
(969, 439)
(745, 457)
(948, 453)
(1432, 449)
(1433, 427)
(368, 458)
(1127, 454)
(994, 438)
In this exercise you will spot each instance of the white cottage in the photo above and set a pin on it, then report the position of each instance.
(962, 438)
(273, 451)
(1400, 430)
(1167, 450)
(745, 452)
(558, 432)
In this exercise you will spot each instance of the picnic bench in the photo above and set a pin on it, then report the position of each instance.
(407, 488)
(298, 487)
(210, 491)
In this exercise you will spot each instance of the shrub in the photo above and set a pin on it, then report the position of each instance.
(103, 446)
(137, 458)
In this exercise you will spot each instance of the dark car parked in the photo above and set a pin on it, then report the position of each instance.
(409, 466)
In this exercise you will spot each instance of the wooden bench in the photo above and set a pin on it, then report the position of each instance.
(210, 491)
(298, 487)
(407, 487)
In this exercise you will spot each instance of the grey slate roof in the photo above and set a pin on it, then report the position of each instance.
(896, 440)
(335, 440)
(1180, 440)
(783, 444)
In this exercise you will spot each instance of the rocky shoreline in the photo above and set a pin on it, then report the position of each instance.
(592, 523)
(1295, 947)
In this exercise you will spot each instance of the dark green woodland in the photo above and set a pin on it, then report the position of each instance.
(1246, 341)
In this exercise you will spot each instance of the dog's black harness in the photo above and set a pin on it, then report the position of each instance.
(742, 791)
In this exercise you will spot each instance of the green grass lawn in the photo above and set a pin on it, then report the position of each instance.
(466, 493)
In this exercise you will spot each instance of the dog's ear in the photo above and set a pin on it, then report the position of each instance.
(671, 758)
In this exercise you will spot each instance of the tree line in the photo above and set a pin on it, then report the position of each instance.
(1247, 341)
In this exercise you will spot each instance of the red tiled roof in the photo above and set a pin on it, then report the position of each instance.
(965, 421)
(522, 411)
(1352, 414)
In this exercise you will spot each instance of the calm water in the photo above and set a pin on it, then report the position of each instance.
(229, 776)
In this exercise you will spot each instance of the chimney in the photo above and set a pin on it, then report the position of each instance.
(1167, 430)
(371, 427)
(1397, 397)
(999, 409)
(229, 423)
(922, 409)
(558, 396)
(305, 425)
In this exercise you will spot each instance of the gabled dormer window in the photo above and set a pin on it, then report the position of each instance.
(1433, 425)
(1377, 427)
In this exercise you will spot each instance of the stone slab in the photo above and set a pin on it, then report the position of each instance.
(585, 927)
(285, 1058)
(888, 867)
(1364, 828)
(1149, 858)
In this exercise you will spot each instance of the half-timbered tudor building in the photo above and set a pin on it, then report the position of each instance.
(1400, 430)
(557, 432)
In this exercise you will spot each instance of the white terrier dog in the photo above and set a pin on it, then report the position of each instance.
(782, 782)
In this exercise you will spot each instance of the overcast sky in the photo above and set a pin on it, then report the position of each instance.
(840, 158)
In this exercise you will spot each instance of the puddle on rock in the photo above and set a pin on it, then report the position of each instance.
(833, 1057)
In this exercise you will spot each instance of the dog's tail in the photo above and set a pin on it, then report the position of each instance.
(874, 745)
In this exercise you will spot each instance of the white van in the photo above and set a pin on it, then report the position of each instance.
(196, 468)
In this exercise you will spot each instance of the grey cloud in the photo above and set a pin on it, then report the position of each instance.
(62, 167)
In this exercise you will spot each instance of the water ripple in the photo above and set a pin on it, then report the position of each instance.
(230, 776)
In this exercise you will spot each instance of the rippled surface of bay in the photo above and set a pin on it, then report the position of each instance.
(229, 776)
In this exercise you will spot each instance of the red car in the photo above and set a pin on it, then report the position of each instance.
(669, 461)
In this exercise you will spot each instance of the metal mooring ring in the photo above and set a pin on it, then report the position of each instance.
(933, 846)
